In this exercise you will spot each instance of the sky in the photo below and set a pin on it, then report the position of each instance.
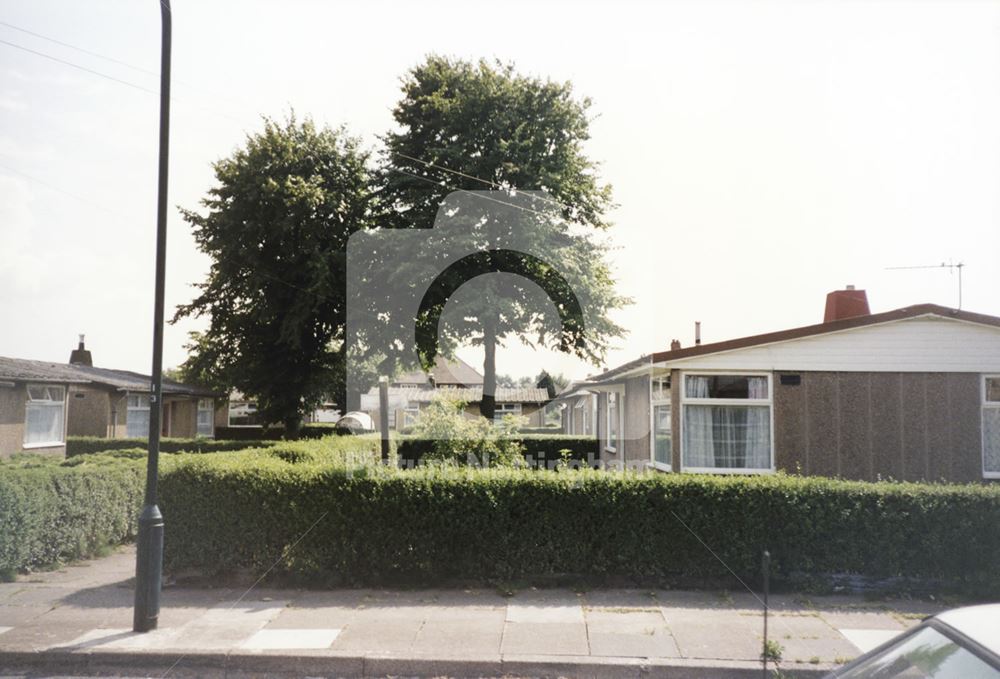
(761, 153)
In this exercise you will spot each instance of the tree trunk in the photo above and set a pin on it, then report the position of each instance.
(293, 427)
(488, 406)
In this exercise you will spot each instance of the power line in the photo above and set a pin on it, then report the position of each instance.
(53, 187)
(78, 67)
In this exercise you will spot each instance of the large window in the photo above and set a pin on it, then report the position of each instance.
(206, 417)
(45, 416)
(137, 417)
(503, 409)
(991, 427)
(726, 423)
(243, 414)
(614, 423)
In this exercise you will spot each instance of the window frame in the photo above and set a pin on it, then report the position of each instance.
(507, 408)
(129, 408)
(685, 401)
(619, 398)
(28, 400)
(984, 406)
(211, 420)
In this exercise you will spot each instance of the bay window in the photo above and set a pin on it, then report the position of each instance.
(991, 427)
(726, 423)
(45, 416)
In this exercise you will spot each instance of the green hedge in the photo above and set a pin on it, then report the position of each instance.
(541, 450)
(385, 526)
(88, 445)
(51, 511)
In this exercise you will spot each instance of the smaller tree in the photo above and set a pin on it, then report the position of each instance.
(461, 440)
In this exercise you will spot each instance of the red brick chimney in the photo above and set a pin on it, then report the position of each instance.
(675, 345)
(847, 303)
(81, 355)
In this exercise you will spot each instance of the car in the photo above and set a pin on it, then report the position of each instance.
(962, 643)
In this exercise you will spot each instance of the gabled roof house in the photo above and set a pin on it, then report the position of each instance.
(908, 394)
(41, 403)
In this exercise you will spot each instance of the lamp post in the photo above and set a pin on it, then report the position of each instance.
(149, 548)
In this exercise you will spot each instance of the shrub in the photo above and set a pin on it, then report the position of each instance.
(453, 438)
(371, 524)
(539, 450)
(88, 445)
(52, 510)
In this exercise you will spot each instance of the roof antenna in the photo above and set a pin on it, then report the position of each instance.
(951, 269)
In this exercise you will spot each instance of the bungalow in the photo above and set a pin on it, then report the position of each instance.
(410, 392)
(42, 402)
(909, 394)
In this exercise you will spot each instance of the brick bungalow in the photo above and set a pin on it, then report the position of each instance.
(41, 403)
(909, 394)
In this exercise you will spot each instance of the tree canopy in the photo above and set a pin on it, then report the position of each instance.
(276, 227)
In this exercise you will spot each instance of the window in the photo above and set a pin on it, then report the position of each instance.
(206, 417)
(991, 427)
(45, 416)
(726, 423)
(661, 388)
(243, 414)
(410, 415)
(614, 421)
(662, 435)
(503, 409)
(137, 417)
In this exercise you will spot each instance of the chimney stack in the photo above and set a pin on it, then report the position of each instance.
(697, 333)
(846, 303)
(675, 345)
(80, 355)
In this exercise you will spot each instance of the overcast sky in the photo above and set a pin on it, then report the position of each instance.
(762, 153)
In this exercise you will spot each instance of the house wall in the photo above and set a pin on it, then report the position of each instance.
(902, 425)
(636, 419)
(183, 418)
(12, 401)
(89, 411)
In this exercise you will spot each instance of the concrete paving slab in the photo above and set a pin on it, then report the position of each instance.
(387, 636)
(861, 619)
(5, 629)
(545, 638)
(294, 617)
(714, 633)
(290, 639)
(35, 595)
(621, 598)
(227, 625)
(617, 619)
(867, 639)
(648, 642)
(556, 613)
(16, 616)
(459, 638)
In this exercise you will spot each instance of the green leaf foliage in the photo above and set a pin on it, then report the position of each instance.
(276, 227)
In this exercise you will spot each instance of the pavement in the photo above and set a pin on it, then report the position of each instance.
(77, 621)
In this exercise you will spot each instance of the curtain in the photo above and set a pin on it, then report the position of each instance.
(44, 423)
(758, 431)
(991, 439)
(699, 437)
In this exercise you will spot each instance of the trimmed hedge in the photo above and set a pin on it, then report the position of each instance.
(541, 450)
(89, 445)
(372, 525)
(52, 511)
(308, 431)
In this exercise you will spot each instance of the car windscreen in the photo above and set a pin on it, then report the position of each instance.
(925, 654)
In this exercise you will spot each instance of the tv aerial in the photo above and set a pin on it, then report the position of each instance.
(951, 267)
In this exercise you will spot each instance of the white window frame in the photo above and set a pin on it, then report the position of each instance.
(411, 413)
(229, 417)
(507, 408)
(129, 409)
(653, 403)
(769, 402)
(28, 401)
(619, 401)
(211, 419)
(987, 405)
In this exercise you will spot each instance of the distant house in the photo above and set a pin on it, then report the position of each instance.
(411, 392)
(578, 410)
(41, 403)
(909, 394)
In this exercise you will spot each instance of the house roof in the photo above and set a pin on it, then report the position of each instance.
(475, 394)
(25, 370)
(445, 372)
(904, 313)
(914, 311)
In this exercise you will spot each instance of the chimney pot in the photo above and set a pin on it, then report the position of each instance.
(675, 345)
(697, 333)
(847, 303)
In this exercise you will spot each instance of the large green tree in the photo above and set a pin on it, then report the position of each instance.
(480, 126)
(276, 227)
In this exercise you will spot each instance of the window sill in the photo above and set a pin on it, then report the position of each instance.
(51, 444)
(726, 470)
(609, 449)
(991, 475)
(663, 467)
